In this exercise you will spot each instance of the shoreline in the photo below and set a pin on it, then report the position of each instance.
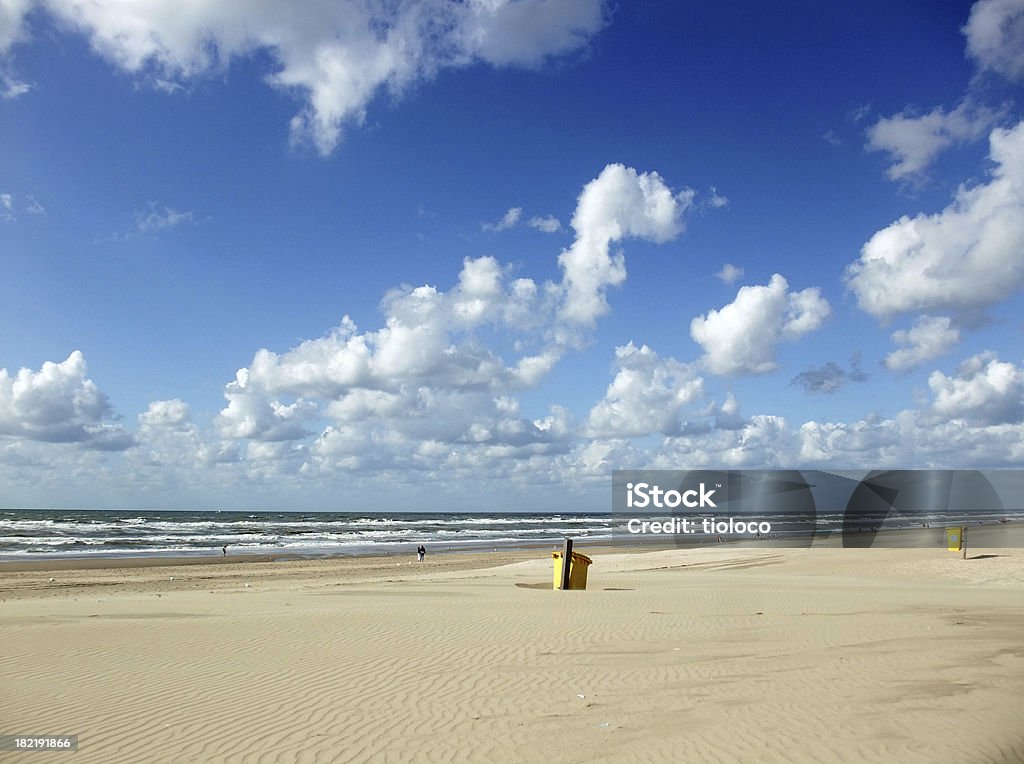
(126, 561)
(162, 575)
(993, 535)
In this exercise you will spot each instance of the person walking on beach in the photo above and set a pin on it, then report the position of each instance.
(421, 553)
(224, 551)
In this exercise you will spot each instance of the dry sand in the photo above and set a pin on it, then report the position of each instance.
(713, 654)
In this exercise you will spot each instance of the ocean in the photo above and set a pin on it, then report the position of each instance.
(37, 534)
(27, 534)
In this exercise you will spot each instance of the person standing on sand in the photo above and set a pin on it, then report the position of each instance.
(420, 553)
(224, 551)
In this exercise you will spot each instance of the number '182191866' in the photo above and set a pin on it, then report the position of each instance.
(38, 742)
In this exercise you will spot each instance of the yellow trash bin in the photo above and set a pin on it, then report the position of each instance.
(577, 570)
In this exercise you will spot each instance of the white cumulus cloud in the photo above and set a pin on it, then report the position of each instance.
(171, 415)
(432, 391)
(762, 441)
(865, 442)
(995, 40)
(741, 337)
(913, 141)
(59, 404)
(335, 55)
(421, 375)
(928, 338)
(984, 391)
(620, 203)
(995, 36)
(255, 417)
(427, 376)
(518, 33)
(967, 257)
(646, 396)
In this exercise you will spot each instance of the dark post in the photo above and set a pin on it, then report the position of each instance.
(963, 540)
(566, 563)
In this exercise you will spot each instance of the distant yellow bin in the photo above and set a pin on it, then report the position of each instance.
(577, 570)
(954, 539)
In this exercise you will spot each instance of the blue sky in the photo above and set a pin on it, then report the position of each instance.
(434, 255)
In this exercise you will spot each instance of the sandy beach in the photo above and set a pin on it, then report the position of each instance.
(714, 654)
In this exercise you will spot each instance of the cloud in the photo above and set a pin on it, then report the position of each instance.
(335, 56)
(58, 404)
(995, 40)
(930, 337)
(423, 372)
(741, 337)
(429, 339)
(171, 415)
(973, 419)
(856, 374)
(429, 394)
(762, 441)
(505, 33)
(830, 377)
(832, 138)
(433, 438)
(909, 439)
(913, 142)
(424, 392)
(967, 257)
(716, 201)
(620, 203)
(729, 274)
(254, 417)
(157, 219)
(154, 220)
(995, 37)
(646, 396)
(826, 379)
(11, 207)
(10, 86)
(12, 28)
(865, 442)
(727, 416)
(12, 31)
(546, 224)
(985, 391)
(859, 113)
(510, 219)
